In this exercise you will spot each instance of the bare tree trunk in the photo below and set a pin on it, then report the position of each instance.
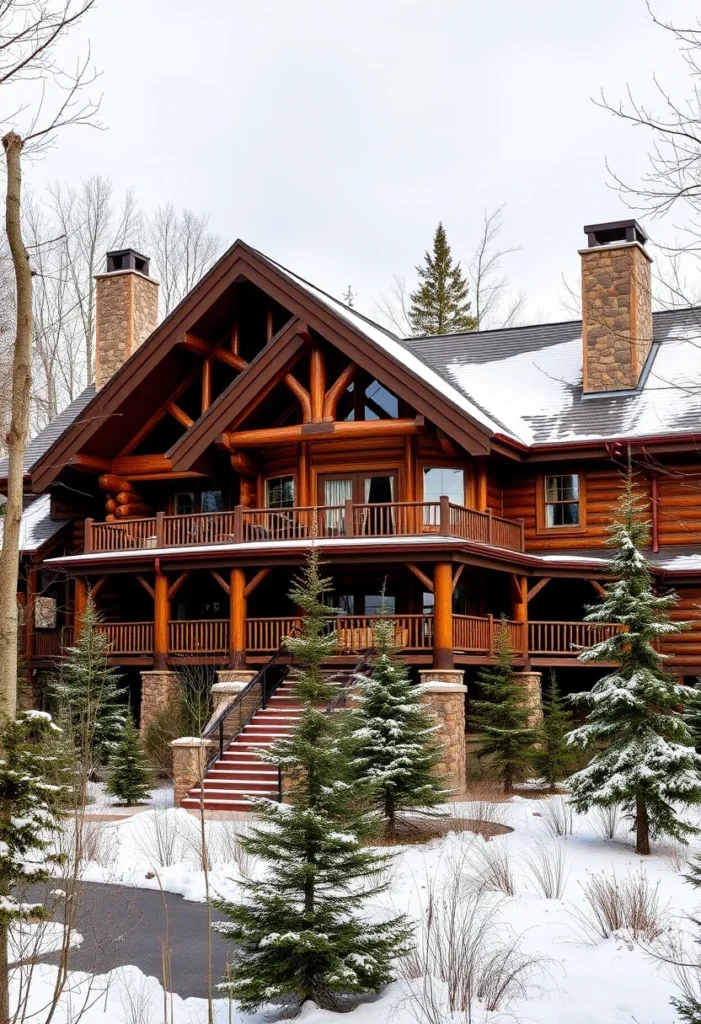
(642, 826)
(19, 425)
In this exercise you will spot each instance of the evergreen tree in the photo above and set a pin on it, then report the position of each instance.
(440, 304)
(298, 931)
(692, 715)
(553, 756)
(128, 771)
(29, 824)
(393, 736)
(91, 701)
(503, 718)
(643, 758)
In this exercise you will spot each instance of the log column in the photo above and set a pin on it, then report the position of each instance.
(237, 618)
(30, 618)
(443, 615)
(161, 615)
(519, 588)
(80, 600)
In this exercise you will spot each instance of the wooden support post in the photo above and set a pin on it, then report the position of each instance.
(481, 495)
(443, 615)
(410, 488)
(519, 588)
(317, 384)
(161, 616)
(87, 536)
(444, 520)
(160, 529)
(304, 475)
(238, 524)
(237, 618)
(80, 599)
(349, 518)
(30, 624)
(206, 384)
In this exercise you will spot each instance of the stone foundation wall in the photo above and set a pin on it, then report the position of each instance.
(158, 689)
(445, 692)
(531, 681)
(616, 315)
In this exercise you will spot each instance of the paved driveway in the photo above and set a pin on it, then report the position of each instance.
(122, 925)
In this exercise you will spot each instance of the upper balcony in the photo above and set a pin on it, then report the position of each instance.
(350, 520)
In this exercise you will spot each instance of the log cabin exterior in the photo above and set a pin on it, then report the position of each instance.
(475, 473)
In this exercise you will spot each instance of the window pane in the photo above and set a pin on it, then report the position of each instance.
(337, 491)
(280, 492)
(563, 514)
(184, 504)
(374, 604)
(439, 481)
(383, 398)
(562, 488)
(212, 501)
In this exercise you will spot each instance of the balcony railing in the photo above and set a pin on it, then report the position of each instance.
(243, 525)
(472, 635)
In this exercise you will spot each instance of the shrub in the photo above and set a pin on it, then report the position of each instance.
(547, 867)
(631, 904)
(557, 817)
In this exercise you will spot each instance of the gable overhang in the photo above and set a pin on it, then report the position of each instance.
(240, 396)
(241, 262)
(594, 448)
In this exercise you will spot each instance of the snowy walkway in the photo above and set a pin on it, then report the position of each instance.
(124, 925)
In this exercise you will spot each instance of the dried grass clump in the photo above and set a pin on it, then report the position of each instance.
(630, 904)
(606, 821)
(466, 961)
(557, 817)
(548, 870)
(491, 869)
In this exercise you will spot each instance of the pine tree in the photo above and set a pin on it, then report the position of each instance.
(393, 737)
(440, 304)
(646, 763)
(29, 824)
(553, 756)
(298, 931)
(129, 774)
(503, 718)
(88, 694)
(692, 715)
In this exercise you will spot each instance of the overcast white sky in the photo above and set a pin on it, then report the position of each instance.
(334, 134)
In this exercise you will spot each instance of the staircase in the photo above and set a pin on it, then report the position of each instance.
(239, 773)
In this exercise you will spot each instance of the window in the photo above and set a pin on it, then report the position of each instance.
(184, 504)
(562, 500)
(439, 481)
(280, 492)
(212, 501)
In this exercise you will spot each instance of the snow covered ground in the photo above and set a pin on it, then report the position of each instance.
(583, 979)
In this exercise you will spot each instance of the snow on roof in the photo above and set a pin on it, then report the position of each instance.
(394, 347)
(530, 379)
(37, 525)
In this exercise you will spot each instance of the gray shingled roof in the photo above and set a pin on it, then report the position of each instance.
(530, 380)
(46, 437)
(37, 525)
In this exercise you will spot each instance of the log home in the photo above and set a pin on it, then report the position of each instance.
(475, 473)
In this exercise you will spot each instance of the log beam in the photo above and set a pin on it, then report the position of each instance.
(324, 431)
(332, 396)
(538, 587)
(458, 574)
(421, 576)
(146, 585)
(221, 581)
(252, 584)
(302, 396)
(601, 591)
(317, 383)
(175, 587)
(179, 414)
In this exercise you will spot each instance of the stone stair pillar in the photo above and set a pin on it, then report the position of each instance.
(190, 756)
(444, 691)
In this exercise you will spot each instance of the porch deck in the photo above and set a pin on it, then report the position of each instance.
(243, 525)
(208, 639)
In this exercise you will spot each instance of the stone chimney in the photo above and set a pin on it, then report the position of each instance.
(616, 306)
(126, 312)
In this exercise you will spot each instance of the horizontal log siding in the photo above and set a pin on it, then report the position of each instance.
(679, 491)
(685, 647)
(603, 487)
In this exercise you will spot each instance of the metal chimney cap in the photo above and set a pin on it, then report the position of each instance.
(128, 259)
(614, 231)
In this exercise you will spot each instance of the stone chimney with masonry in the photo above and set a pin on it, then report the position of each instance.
(126, 311)
(616, 306)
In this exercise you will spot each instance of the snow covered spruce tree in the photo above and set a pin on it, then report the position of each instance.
(553, 754)
(503, 717)
(128, 771)
(440, 303)
(89, 696)
(643, 757)
(29, 822)
(299, 931)
(393, 737)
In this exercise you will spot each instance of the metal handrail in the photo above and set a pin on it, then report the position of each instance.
(342, 691)
(217, 724)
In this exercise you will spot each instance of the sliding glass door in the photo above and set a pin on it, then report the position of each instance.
(365, 489)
